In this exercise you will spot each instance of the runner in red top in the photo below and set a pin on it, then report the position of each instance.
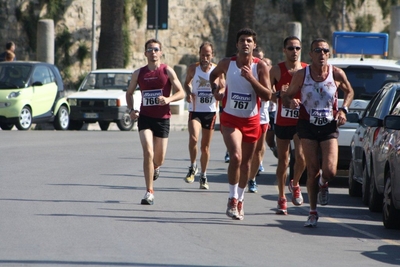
(285, 124)
(155, 80)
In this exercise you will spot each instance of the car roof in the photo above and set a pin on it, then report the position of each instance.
(381, 64)
(20, 62)
(112, 71)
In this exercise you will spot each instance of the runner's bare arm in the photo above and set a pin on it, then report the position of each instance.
(188, 86)
(344, 84)
(295, 85)
(178, 92)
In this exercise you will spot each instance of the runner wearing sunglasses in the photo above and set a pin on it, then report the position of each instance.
(319, 119)
(285, 124)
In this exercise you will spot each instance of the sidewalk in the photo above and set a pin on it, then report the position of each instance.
(179, 122)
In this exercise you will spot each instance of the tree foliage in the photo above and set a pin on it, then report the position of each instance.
(111, 45)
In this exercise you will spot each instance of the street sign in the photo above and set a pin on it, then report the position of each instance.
(157, 14)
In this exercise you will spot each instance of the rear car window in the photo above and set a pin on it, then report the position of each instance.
(367, 82)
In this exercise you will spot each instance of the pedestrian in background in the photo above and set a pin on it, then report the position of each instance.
(10, 47)
(156, 82)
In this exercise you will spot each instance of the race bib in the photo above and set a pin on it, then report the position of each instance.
(320, 117)
(290, 113)
(150, 97)
(204, 97)
(241, 101)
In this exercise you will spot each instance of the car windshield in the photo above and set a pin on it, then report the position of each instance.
(106, 81)
(14, 76)
(366, 82)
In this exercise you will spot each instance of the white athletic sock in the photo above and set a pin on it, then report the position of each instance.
(321, 183)
(240, 193)
(233, 190)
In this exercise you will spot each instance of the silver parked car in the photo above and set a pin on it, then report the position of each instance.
(364, 179)
(387, 150)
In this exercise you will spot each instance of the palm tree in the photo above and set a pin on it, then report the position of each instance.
(111, 45)
(242, 15)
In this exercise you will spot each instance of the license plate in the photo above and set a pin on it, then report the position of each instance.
(90, 115)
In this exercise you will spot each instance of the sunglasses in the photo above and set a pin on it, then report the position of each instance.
(291, 48)
(320, 50)
(156, 49)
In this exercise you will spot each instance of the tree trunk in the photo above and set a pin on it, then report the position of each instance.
(242, 16)
(111, 52)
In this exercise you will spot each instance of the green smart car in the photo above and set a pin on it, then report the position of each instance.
(32, 92)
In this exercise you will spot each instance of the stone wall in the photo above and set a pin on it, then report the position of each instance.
(190, 23)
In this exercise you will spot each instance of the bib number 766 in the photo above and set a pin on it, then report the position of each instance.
(151, 101)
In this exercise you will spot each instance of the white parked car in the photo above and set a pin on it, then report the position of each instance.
(101, 98)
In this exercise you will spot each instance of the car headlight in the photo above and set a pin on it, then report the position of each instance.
(72, 101)
(112, 102)
(13, 95)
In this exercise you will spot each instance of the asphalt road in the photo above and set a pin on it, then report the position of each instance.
(73, 199)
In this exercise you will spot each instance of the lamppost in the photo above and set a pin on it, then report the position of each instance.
(94, 34)
(156, 19)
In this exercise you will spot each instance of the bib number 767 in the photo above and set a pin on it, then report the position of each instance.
(241, 105)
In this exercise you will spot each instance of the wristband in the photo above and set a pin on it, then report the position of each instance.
(278, 94)
(213, 88)
(344, 109)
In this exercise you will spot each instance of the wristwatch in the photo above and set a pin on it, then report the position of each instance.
(129, 110)
(278, 94)
(344, 109)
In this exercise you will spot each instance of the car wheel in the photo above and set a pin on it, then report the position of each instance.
(75, 125)
(104, 125)
(6, 126)
(126, 124)
(61, 121)
(375, 199)
(390, 215)
(25, 119)
(365, 186)
(355, 189)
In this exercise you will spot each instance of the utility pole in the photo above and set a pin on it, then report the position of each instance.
(156, 20)
(343, 13)
(94, 35)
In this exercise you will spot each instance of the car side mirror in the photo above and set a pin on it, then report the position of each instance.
(37, 84)
(353, 117)
(392, 122)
